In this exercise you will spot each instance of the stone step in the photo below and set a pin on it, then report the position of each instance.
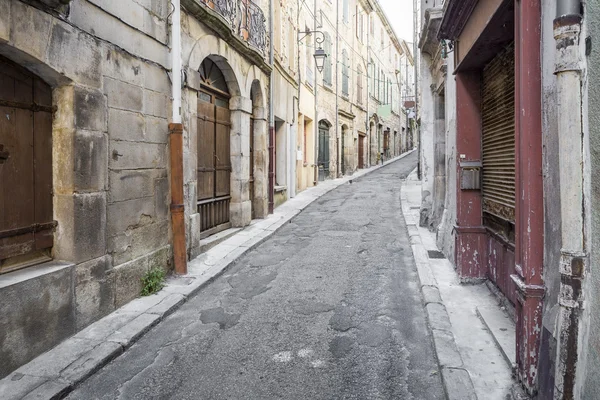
(502, 329)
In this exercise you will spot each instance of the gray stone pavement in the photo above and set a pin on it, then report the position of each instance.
(328, 307)
(474, 337)
(58, 371)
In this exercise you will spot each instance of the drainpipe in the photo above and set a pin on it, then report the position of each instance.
(337, 82)
(271, 112)
(367, 125)
(316, 120)
(416, 67)
(574, 257)
(176, 148)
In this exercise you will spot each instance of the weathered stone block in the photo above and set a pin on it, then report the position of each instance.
(129, 12)
(156, 79)
(128, 282)
(36, 315)
(125, 125)
(157, 130)
(130, 214)
(81, 226)
(76, 54)
(137, 242)
(90, 161)
(122, 66)
(94, 291)
(161, 258)
(123, 95)
(193, 237)
(162, 198)
(155, 104)
(5, 20)
(155, 27)
(90, 109)
(130, 155)
(241, 213)
(30, 30)
(131, 184)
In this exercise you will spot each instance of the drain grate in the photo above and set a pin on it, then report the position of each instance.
(416, 208)
(435, 254)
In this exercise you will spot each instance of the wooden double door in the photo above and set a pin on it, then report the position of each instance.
(214, 162)
(26, 224)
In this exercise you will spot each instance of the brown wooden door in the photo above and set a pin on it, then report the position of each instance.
(214, 162)
(361, 151)
(26, 225)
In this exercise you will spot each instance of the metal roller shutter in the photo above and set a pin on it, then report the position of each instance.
(498, 137)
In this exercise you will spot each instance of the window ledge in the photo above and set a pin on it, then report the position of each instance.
(279, 189)
(26, 274)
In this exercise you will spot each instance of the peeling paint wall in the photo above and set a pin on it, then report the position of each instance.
(445, 233)
(591, 380)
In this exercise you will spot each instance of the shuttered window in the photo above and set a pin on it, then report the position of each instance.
(498, 138)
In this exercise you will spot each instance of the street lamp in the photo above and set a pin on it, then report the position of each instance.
(320, 57)
(320, 54)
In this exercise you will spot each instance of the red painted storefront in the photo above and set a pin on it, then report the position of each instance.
(480, 30)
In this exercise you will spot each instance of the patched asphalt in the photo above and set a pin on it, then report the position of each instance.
(327, 308)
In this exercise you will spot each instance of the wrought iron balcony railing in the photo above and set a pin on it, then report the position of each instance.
(245, 18)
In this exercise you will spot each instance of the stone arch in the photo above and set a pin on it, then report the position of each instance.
(220, 53)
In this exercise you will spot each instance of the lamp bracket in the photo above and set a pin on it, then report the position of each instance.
(319, 39)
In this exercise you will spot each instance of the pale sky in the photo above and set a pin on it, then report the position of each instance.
(400, 15)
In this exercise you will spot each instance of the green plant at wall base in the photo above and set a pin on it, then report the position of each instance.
(153, 281)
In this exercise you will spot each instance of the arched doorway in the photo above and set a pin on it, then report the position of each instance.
(26, 225)
(323, 158)
(214, 162)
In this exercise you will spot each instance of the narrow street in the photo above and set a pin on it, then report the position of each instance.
(329, 307)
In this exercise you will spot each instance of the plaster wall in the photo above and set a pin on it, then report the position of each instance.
(427, 149)
(445, 233)
(588, 384)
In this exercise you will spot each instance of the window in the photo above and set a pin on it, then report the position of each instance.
(345, 73)
(328, 60)
(346, 11)
(308, 60)
(359, 84)
(372, 23)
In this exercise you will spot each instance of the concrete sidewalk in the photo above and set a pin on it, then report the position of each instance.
(474, 338)
(56, 372)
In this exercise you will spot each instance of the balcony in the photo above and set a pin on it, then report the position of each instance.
(240, 20)
(245, 19)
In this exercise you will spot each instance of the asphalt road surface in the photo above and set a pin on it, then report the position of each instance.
(327, 308)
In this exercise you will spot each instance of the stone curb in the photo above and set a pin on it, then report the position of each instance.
(455, 378)
(57, 372)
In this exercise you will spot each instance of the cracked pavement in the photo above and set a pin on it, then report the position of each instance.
(328, 308)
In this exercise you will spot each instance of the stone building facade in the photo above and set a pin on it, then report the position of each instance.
(89, 163)
(104, 67)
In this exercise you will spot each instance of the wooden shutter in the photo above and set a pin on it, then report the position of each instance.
(498, 138)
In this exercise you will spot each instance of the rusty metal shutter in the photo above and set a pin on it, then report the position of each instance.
(498, 137)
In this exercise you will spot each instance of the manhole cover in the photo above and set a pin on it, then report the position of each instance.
(435, 254)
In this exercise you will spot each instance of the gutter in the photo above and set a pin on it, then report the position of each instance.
(176, 148)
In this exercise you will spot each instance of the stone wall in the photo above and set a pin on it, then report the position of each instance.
(111, 187)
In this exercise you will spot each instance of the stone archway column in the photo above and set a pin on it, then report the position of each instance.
(240, 205)
(261, 163)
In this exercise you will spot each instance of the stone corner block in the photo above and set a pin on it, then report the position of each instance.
(431, 294)
(239, 103)
(438, 316)
(458, 384)
(445, 347)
